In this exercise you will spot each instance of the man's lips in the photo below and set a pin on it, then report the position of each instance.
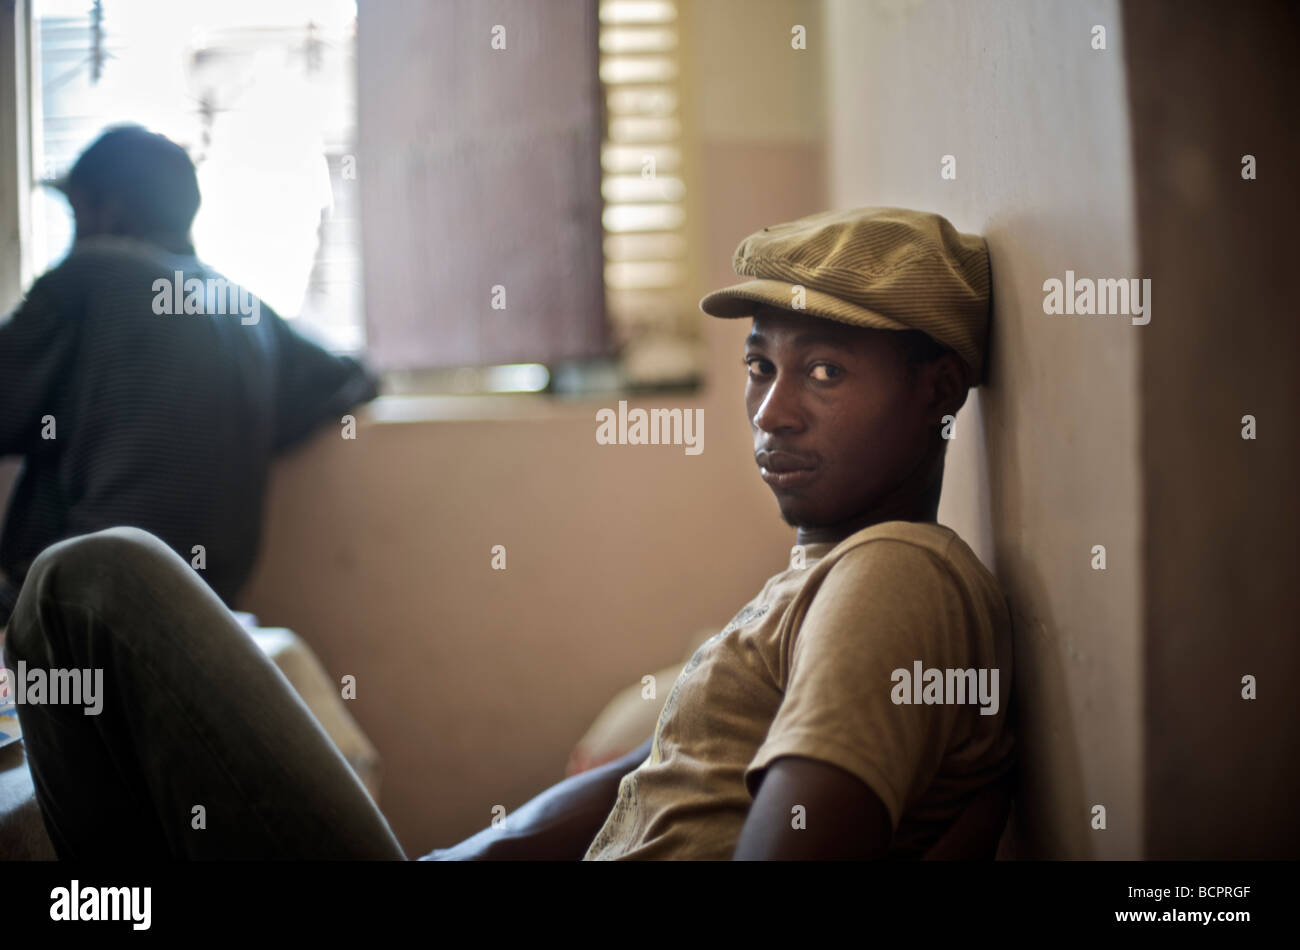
(785, 469)
(778, 461)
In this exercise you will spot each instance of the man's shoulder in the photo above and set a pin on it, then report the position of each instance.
(938, 539)
(107, 263)
(919, 580)
(119, 273)
(915, 543)
(111, 251)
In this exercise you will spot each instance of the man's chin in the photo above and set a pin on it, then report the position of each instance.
(797, 514)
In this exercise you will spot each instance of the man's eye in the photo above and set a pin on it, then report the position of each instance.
(756, 365)
(829, 372)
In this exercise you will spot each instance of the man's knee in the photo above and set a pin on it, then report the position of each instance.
(96, 554)
(120, 577)
(89, 569)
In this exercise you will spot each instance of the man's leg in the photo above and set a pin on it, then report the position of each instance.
(194, 716)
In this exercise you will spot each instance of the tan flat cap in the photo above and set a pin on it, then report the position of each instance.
(889, 268)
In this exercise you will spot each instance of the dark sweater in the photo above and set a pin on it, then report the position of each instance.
(162, 422)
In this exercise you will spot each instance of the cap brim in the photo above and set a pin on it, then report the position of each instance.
(741, 300)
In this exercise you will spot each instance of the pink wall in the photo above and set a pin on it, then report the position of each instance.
(475, 684)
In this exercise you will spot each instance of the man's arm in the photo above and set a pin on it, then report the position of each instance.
(35, 345)
(315, 386)
(557, 825)
(842, 818)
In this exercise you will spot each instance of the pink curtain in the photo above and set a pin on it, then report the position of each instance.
(479, 172)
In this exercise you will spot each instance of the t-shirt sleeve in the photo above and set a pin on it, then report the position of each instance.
(881, 608)
(314, 385)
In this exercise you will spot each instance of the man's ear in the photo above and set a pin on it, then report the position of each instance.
(947, 378)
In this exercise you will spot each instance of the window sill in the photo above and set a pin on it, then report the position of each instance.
(513, 407)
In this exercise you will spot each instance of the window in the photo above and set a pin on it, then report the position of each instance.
(261, 93)
(645, 245)
(480, 196)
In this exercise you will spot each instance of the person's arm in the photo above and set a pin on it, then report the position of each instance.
(843, 818)
(315, 386)
(35, 345)
(557, 825)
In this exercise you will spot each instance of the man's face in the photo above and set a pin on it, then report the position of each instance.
(840, 431)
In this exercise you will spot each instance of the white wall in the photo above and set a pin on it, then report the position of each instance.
(1045, 462)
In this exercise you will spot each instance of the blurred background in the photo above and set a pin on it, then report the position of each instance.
(374, 168)
(261, 94)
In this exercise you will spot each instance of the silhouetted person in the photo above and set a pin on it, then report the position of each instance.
(141, 388)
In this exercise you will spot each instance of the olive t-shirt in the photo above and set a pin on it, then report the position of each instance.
(887, 655)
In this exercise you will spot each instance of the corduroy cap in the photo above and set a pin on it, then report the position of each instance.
(888, 268)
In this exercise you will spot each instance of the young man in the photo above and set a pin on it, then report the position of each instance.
(795, 732)
(131, 407)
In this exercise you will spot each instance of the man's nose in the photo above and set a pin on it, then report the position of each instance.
(780, 407)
